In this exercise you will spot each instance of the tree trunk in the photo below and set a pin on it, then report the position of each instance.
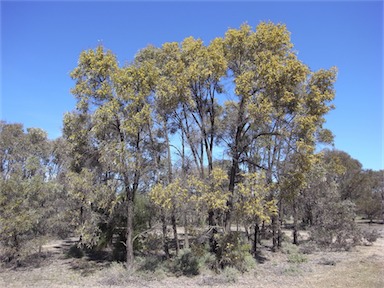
(295, 233)
(255, 235)
(129, 234)
(232, 179)
(274, 233)
(174, 228)
(279, 232)
(165, 242)
(186, 239)
(262, 233)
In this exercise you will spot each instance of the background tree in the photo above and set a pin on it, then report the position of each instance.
(30, 195)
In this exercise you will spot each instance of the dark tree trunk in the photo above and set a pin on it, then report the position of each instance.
(165, 242)
(255, 235)
(174, 228)
(129, 234)
(295, 233)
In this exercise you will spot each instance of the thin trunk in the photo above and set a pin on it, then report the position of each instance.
(174, 228)
(186, 239)
(169, 158)
(165, 242)
(129, 233)
(295, 234)
(274, 233)
(262, 234)
(255, 237)
(280, 224)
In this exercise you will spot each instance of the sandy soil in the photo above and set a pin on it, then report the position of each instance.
(361, 267)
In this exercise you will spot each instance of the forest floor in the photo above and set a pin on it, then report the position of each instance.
(363, 266)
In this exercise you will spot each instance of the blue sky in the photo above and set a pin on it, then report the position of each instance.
(41, 43)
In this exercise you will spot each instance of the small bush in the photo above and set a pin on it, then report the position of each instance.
(230, 274)
(232, 251)
(149, 263)
(371, 236)
(289, 248)
(292, 270)
(297, 258)
(186, 264)
(249, 262)
(209, 261)
(115, 275)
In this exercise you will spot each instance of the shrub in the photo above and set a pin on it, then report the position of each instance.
(186, 263)
(115, 275)
(209, 261)
(232, 251)
(230, 274)
(149, 263)
(334, 226)
(289, 248)
(296, 258)
(371, 236)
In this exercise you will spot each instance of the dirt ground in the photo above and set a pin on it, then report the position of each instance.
(361, 267)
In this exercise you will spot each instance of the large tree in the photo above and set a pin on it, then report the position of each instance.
(279, 110)
(114, 103)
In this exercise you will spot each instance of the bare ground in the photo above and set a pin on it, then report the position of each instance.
(361, 267)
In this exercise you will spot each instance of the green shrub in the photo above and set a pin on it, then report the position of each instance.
(209, 261)
(289, 248)
(232, 251)
(149, 263)
(186, 264)
(230, 274)
(297, 258)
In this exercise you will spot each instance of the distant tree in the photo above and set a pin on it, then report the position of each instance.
(331, 218)
(370, 200)
(30, 196)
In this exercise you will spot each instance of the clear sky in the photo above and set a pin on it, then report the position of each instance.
(41, 43)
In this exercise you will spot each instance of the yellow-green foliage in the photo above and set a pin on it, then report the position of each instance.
(253, 193)
(210, 194)
(169, 196)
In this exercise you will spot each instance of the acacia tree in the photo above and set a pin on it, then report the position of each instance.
(115, 102)
(280, 108)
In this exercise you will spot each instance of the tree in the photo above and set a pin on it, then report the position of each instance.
(115, 105)
(253, 202)
(280, 108)
(29, 195)
(370, 201)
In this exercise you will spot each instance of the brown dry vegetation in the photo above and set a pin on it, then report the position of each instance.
(363, 266)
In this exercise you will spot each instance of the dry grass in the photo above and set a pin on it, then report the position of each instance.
(361, 267)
